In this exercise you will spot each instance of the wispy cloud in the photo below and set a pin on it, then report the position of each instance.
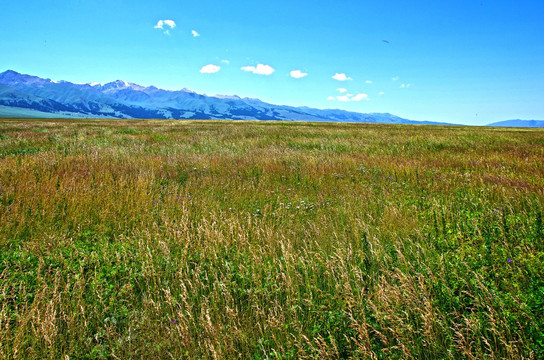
(359, 97)
(225, 61)
(341, 90)
(350, 97)
(165, 25)
(368, 82)
(381, 93)
(195, 34)
(341, 77)
(260, 69)
(210, 69)
(395, 78)
(405, 86)
(297, 74)
(345, 98)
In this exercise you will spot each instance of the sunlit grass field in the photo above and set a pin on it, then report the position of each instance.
(269, 240)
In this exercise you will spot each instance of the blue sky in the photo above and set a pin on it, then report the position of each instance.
(466, 62)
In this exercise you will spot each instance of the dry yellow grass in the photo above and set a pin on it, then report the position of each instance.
(220, 240)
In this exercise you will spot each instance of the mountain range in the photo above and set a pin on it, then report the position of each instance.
(31, 96)
(519, 123)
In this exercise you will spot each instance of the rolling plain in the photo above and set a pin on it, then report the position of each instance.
(165, 239)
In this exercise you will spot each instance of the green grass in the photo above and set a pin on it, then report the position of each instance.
(253, 240)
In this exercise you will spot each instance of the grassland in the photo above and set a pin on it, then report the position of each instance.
(253, 240)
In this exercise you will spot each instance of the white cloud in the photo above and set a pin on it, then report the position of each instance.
(260, 69)
(330, 98)
(341, 77)
(225, 61)
(195, 34)
(210, 69)
(263, 69)
(381, 93)
(297, 74)
(359, 97)
(350, 97)
(164, 24)
(341, 90)
(395, 78)
(405, 86)
(368, 81)
(161, 23)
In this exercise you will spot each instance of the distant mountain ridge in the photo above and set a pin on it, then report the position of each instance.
(27, 94)
(519, 123)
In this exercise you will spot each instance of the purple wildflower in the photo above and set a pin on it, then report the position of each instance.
(508, 260)
(173, 321)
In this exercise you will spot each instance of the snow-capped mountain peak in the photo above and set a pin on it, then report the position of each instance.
(117, 85)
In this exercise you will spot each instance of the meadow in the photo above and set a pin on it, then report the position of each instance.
(159, 239)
